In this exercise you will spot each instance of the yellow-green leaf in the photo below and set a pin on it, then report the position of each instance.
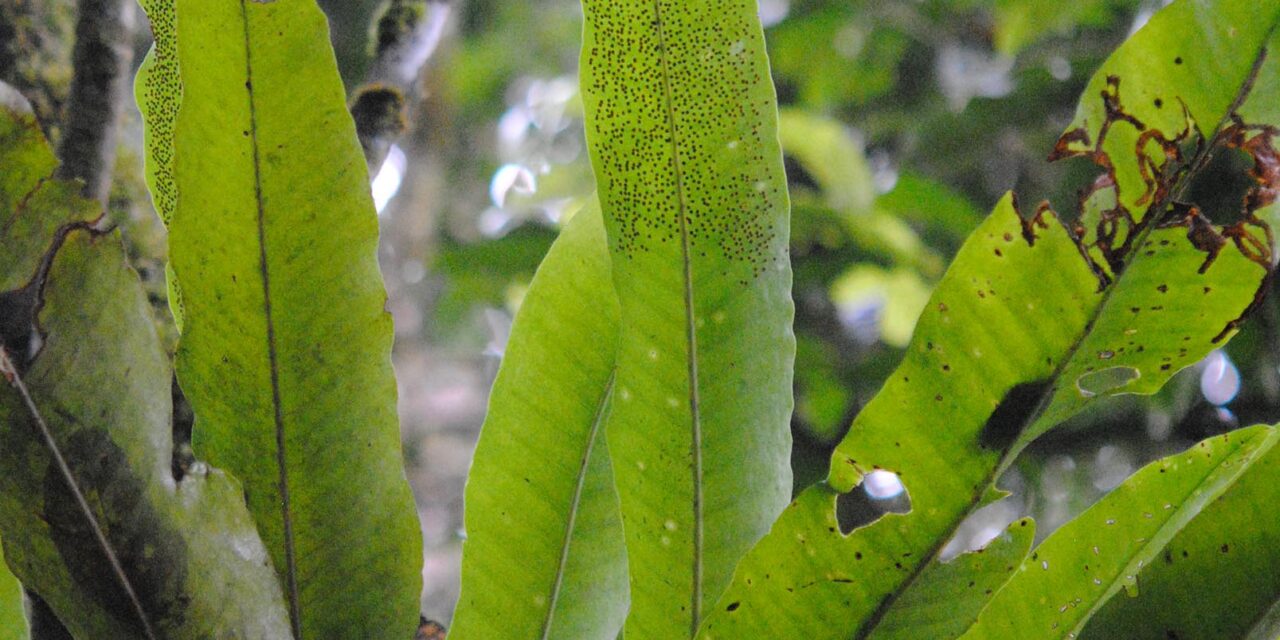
(285, 347)
(681, 126)
(544, 554)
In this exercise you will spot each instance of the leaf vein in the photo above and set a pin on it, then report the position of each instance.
(291, 568)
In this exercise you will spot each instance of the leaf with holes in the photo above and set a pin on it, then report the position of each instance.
(682, 130)
(285, 347)
(1169, 507)
(1034, 320)
(544, 555)
(1222, 571)
(103, 531)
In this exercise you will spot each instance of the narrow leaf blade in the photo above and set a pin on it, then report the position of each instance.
(682, 130)
(1217, 578)
(544, 555)
(946, 599)
(285, 351)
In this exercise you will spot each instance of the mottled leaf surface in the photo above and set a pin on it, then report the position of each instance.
(544, 555)
(101, 382)
(1031, 323)
(285, 348)
(26, 196)
(681, 126)
(1101, 553)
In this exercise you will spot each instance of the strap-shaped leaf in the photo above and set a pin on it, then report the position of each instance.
(285, 343)
(544, 555)
(89, 373)
(1030, 323)
(1102, 553)
(158, 92)
(682, 129)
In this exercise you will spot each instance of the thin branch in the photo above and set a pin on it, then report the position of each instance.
(408, 32)
(101, 59)
(11, 375)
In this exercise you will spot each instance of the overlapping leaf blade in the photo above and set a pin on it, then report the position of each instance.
(1028, 325)
(946, 598)
(544, 555)
(681, 126)
(188, 547)
(285, 347)
(1102, 553)
(1220, 577)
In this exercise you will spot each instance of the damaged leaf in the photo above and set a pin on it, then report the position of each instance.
(1222, 570)
(1141, 283)
(544, 555)
(285, 346)
(97, 381)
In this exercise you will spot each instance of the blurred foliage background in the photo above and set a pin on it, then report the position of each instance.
(903, 122)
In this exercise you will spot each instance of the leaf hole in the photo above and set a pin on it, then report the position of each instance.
(880, 492)
(1106, 380)
(1219, 190)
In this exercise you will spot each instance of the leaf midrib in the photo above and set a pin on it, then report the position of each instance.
(291, 568)
(1117, 580)
(602, 408)
(10, 372)
(691, 336)
(1198, 163)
